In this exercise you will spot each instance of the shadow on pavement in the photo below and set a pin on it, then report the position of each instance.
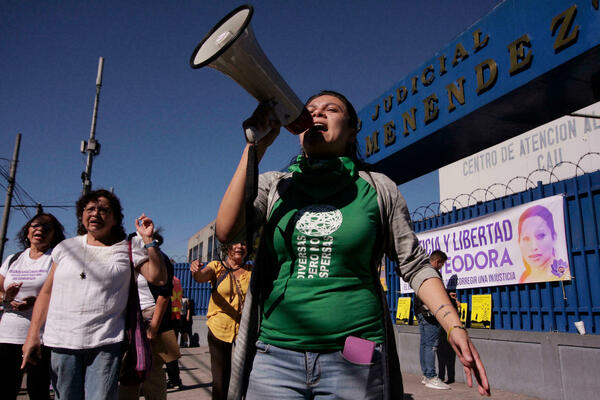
(190, 387)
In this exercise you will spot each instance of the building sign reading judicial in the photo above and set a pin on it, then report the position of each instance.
(522, 65)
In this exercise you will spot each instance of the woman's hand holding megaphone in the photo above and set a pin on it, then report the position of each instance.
(263, 126)
(231, 215)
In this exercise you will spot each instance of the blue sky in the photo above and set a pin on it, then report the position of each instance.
(171, 136)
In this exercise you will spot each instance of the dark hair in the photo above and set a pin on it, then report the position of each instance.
(157, 235)
(352, 150)
(225, 247)
(115, 206)
(438, 255)
(57, 228)
(538, 211)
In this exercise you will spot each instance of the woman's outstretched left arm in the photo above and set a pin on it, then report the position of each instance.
(434, 295)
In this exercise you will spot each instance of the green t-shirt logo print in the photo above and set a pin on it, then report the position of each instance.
(319, 220)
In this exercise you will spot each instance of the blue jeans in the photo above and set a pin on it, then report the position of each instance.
(430, 333)
(287, 374)
(90, 373)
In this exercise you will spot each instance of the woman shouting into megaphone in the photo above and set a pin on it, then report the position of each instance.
(316, 323)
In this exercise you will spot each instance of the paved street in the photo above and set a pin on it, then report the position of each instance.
(195, 374)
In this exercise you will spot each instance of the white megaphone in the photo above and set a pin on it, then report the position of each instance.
(231, 48)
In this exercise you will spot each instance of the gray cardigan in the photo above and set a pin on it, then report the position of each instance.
(398, 242)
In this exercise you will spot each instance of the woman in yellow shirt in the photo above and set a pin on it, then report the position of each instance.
(229, 280)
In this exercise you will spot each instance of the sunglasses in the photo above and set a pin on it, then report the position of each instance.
(43, 226)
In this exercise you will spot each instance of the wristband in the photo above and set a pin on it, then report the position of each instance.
(153, 243)
(452, 327)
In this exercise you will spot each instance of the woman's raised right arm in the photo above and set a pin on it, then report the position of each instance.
(231, 215)
(31, 347)
(200, 272)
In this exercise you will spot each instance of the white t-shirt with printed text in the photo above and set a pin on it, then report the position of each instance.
(32, 273)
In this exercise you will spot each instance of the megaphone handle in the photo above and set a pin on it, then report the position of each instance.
(253, 134)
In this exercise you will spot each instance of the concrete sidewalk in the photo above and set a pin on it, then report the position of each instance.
(195, 374)
(196, 378)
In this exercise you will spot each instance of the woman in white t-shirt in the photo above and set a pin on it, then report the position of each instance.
(84, 299)
(21, 277)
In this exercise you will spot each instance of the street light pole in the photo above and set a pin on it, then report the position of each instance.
(9, 192)
(92, 146)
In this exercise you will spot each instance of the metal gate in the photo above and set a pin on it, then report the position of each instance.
(199, 292)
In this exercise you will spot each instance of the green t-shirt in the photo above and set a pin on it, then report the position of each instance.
(322, 233)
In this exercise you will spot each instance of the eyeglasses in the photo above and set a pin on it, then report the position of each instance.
(43, 226)
(100, 210)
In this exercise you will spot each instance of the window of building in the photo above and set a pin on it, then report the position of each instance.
(200, 254)
(209, 255)
(190, 259)
(216, 247)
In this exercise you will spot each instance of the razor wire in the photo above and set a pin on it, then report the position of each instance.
(514, 185)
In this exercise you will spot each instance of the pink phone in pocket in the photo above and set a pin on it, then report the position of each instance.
(358, 350)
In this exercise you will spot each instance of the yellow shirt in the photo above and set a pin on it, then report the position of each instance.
(225, 306)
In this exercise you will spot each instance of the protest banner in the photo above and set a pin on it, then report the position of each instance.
(523, 244)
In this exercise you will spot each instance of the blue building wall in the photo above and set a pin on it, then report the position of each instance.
(547, 306)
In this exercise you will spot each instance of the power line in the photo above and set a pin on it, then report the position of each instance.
(25, 212)
(17, 186)
(19, 193)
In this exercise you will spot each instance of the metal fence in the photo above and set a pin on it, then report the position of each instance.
(199, 292)
(547, 306)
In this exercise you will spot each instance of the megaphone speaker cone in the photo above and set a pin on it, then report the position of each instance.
(230, 47)
(221, 36)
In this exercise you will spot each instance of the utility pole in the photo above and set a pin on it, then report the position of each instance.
(9, 193)
(92, 146)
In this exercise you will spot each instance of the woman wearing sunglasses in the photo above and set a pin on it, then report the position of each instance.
(21, 278)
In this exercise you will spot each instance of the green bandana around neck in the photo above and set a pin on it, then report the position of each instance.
(321, 178)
